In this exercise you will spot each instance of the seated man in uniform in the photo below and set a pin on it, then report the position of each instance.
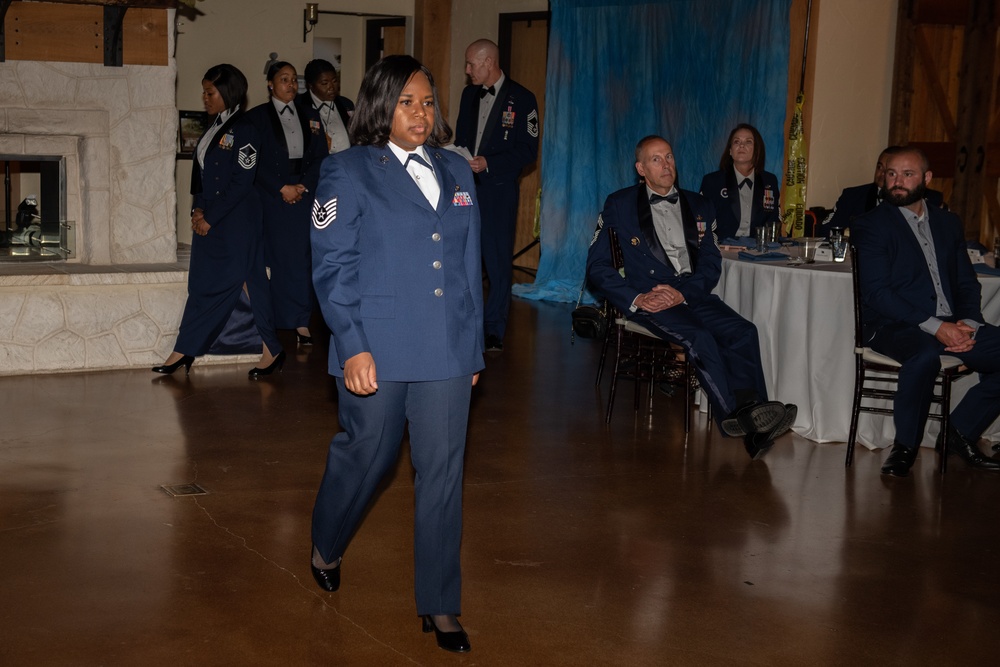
(920, 299)
(859, 199)
(667, 287)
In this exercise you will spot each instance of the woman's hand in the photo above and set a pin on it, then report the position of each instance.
(359, 374)
(292, 194)
(199, 225)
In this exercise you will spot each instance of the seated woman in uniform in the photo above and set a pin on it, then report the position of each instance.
(744, 195)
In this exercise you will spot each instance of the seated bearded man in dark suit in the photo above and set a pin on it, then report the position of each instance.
(921, 299)
(667, 287)
(859, 199)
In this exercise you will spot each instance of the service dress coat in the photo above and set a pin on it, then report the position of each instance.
(723, 346)
(509, 144)
(286, 226)
(721, 188)
(402, 280)
(232, 253)
(344, 107)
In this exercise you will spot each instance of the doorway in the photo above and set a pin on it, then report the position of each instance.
(523, 39)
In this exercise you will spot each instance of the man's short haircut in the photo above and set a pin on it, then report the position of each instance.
(317, 68)
(371, 123)
(892, 151)
(642, 144)
(230, 83)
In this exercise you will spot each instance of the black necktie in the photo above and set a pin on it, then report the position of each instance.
(491, 90)
(671, 198)
(288, 108)
(746, 182)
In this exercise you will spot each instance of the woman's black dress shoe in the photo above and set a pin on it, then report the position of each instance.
(257, 373)
(457, 642)
(184, 361)
(328, 580)
(303, 340)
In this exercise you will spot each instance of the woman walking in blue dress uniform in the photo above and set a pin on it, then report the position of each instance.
(292, 146)
(396, 264)
(226, 252)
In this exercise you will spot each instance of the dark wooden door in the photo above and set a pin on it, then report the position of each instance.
(945, 101)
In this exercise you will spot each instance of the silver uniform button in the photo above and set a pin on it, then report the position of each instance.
(436, 264)
(435, 236)
(438, 292)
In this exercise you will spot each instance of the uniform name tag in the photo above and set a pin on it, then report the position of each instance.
(461, 199)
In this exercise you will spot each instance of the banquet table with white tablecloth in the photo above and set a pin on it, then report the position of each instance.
(805, 317)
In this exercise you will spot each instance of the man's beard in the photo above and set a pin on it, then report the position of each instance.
(906, 197)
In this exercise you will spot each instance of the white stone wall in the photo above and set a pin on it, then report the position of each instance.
(125, 119)
(72, 320)
(118, 302)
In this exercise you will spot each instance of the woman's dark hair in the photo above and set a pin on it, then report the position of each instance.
(371, 124)
(726, 162)
(317, 68)
(276, 67)
(230, 83)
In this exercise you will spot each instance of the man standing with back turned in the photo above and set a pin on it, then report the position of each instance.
(498, 124)
(920, 299)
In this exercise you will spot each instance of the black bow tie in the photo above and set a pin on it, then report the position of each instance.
(325, 105)
(746, 182)
(671, 198)
(416, 158)
(491, 90)
(288, 108)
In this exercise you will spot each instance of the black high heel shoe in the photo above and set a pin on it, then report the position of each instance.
(328, 579)
(303, 340)
(456, 642)
(257, 373)
(184, 361)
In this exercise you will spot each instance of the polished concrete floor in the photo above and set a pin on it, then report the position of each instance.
(584, 544)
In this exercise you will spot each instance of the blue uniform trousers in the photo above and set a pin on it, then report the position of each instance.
(722, 345)
(367, 447)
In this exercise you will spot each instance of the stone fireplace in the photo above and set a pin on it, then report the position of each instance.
(116, 301)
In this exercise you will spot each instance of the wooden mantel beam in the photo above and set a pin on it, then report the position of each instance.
(139, 4)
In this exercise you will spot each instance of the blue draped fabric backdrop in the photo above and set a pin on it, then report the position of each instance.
(618, 70)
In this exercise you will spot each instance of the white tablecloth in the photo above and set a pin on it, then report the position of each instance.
(805, 318)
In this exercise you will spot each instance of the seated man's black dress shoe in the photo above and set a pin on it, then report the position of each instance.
(457, 642)
(968, 451)
(753, 417)
(899, 461)
(757, 445)
(329, 579)
(493, 343)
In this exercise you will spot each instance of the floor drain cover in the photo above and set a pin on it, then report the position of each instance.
(184, 490)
